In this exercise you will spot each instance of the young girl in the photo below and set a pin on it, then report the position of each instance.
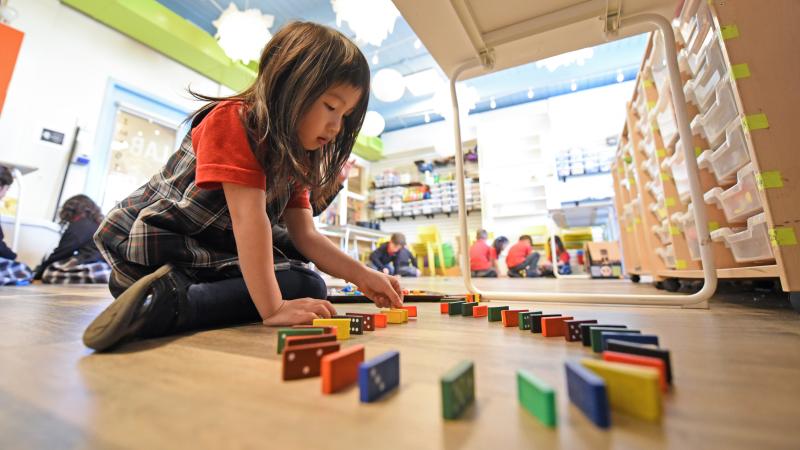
(12, 272)
(76, 259)
(193, 247)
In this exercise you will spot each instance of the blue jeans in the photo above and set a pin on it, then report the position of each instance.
(529, 265)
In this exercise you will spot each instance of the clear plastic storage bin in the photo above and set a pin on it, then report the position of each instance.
(741, 200)
(711, 124)
(662, 232)
(667, 254)
(710, 71)
(677, 165)
(665, 118)
(648, 144)
(685, 222)
(749, 244)
(729, 157)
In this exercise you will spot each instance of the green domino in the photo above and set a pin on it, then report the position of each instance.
(455, 308)
(283, 332)
(537, 397)
(595, 333)
(494, 313)
(458, 389)
(466, 310)
(524, 322)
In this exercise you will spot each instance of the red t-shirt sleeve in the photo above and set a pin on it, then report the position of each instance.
(223, 152)
(300, 198)
(492, 254)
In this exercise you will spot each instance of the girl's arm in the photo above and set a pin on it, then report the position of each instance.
(253, 233)
(384, 290)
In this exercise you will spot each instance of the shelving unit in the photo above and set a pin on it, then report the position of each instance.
(741, 99)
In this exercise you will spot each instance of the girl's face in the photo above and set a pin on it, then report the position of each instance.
(325, 118)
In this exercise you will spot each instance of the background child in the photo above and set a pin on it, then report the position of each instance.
(393, 258)
(11, 271)
(193, 247)
(482, 257)
(522, 260)
(562, 257)
(76, 259)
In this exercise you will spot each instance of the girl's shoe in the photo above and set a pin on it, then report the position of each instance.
(154, 305)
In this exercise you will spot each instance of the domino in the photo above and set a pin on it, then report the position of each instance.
(294, 341)
(643, 350)
(395, 315)
(368, 320)
(554, 326)
(356, 323)
(633, 390)
(458, 390)
(647, 361)
(378, 376)
(510, 317)
(595, 336)
(536, 321)
(303, 361)
(467, 308)
(587, 391)
(651, 339)
(480, 311)
(537, 397)
(342, 326)
(524, 319)
(495, 313)
(573, 333)
(586, 328)
(284, 332)
(328, 329)
(444, 307)
(340, 370)
(412, 310)
(381, 320)
(455, 308)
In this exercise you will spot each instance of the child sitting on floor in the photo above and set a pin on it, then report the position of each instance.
(522, 260)
(482, 257)
(393, 258)
(11, 271)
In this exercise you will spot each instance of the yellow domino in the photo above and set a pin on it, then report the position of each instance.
(633, 390)
(342, 326)
(396, 315)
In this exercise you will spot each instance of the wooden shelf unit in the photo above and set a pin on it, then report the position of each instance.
(763, 67)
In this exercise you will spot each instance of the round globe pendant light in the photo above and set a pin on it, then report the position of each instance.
(388, 85)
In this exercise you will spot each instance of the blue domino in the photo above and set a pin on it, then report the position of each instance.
(588, 392)
(627, 337)
(378, 376)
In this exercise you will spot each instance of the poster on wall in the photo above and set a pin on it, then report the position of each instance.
(10, 43)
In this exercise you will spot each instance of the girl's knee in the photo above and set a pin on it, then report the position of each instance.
(312, 283)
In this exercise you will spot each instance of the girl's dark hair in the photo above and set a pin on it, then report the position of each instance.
(296, 67)
(5, 176)
(499, 244)
(80, 206)
(559, 244)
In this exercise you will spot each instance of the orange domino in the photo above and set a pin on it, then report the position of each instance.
(444, 308)
(510, 317)
(310, 339)
(328, 329)
(554, 326)
(647, 361)
(339, 370)
(381, 320)
(480, 311)
(412, 310)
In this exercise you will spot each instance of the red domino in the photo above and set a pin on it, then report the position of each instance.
(380, 320)
(311, 339)
(328, 330)
(303, 361)
(554, 326)
(640, 361)
(444, 308)
(412, 310)
(340, 369)
(510, 317)
(480, 311)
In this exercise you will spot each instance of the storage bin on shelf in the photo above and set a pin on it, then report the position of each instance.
(662, 232)
(685, 222)
(665, 117)
(680, 175)
(654, 188)
(750, 244)
(698, 28)
(651, 167)
(648, 144)
(728, 157)
(741, 200)
(710, 69)
(659, 207)
(711, 124)
(667, 254)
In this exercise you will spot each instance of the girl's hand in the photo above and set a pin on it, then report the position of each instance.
(301, 311)
(382, 289)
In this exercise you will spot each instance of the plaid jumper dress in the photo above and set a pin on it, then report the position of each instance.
(172, 220)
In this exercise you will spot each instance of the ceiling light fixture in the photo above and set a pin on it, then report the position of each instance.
(423, 82)
(371, 20)
(243, 34)
(374, 123)
(530, 92)
(388, 85)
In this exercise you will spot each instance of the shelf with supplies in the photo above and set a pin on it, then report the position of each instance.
(743, 128)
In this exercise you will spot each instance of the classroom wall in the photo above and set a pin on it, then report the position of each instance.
(60, 80)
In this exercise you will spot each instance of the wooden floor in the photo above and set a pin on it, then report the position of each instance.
(737, 381)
